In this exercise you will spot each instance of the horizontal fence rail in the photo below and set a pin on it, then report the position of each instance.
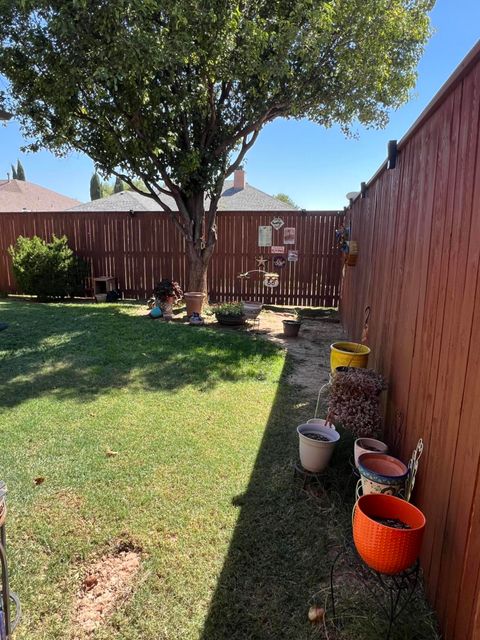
(141, 249)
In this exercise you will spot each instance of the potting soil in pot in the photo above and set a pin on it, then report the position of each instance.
(394, 523)
(316, 436)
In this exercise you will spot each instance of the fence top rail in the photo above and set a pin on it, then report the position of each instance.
(300, 212)
(462, 70)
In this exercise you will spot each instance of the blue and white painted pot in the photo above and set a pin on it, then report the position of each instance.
(381, 473)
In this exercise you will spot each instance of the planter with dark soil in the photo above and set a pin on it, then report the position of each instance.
(231, 321)
(291, 328)
(316, 445)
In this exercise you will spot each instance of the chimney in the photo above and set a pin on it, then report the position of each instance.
(239, 178)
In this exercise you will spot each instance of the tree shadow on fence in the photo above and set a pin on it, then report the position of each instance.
(79, 352)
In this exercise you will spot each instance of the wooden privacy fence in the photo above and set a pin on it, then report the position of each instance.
(141, 249)
(418, 234)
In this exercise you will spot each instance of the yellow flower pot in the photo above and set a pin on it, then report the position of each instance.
(348, 354)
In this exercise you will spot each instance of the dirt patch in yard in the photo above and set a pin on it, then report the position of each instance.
(107, 583)
(310, 352)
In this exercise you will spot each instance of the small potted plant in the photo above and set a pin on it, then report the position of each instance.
(316, 442)
(166, 294)
(292, 327)
(231, 314)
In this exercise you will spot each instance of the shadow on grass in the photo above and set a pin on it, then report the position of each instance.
(286, 538)
(79, 351)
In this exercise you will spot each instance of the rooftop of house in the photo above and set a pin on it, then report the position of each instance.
(20, 195)
(237, 195)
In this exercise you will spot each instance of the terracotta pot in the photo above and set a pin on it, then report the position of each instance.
(381, 473)
(368, 445)
(386, 549)
(194, 302)
(291, 328)
(315, 454)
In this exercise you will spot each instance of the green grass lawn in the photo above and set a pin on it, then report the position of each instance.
(203, 423)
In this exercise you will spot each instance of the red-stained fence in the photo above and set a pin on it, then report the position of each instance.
(418, 234)
(139, 250)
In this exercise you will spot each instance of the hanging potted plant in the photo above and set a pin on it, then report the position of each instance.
(231, 314)
(349, 354)
(354, 402)
(166, 294)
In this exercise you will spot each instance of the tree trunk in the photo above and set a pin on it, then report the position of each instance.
(197, 267)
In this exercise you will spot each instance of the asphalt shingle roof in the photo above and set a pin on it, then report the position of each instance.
(20, 195)
(247, 199)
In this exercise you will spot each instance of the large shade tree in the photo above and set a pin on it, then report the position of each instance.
(175, 92)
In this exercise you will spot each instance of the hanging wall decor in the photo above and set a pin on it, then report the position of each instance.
(265, 236)
(278, 249)
(277, 223)
(270, 280)
(293, 256)
(279, 262)
(289, 235)
(261, 262)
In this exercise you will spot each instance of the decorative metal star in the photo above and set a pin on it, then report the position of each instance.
(261, 262)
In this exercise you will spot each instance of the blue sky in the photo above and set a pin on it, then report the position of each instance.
(316, 167)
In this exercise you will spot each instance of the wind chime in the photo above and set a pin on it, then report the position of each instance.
(270, 279)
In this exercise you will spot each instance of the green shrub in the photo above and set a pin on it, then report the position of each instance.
(230, 309)
(47, 269)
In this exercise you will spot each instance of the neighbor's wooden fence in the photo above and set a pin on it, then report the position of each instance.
(418, 232)
(142, 249)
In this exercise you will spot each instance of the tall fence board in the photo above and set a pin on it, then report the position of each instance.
(139, 250)
(418, 232)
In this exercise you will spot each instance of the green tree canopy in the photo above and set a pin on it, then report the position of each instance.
(175, 92)
(118, 187)
(95, 187)
(20, 171)
(286, 198)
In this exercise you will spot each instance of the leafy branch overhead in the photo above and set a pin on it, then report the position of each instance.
(175, 93)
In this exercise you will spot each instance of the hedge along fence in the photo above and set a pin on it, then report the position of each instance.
(141, 249)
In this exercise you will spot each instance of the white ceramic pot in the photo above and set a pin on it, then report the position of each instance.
(252, 309)
(315, 454)
(368, 445)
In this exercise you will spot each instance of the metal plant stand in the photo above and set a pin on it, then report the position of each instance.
(393, 593)
(7, 625)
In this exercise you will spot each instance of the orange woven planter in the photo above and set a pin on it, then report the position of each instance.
(383, 548)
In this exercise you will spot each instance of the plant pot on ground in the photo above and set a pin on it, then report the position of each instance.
(194, 302)
(316, 445)
(166, 294)
(387, 532)
(230, 314)
(381, 473)
(292, 327)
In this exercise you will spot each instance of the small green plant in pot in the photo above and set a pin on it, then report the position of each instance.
(231, 314)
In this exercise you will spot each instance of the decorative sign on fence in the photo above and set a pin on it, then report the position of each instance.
(270, 280)
(279, 262)
(289, 235)
(261, 262)
(278, 249)
(277, 223)
(265, 236)
(293, 256)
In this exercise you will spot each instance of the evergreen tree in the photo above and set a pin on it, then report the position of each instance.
(118, 186)
(20, 171)
(14, 173)
(95, 187)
